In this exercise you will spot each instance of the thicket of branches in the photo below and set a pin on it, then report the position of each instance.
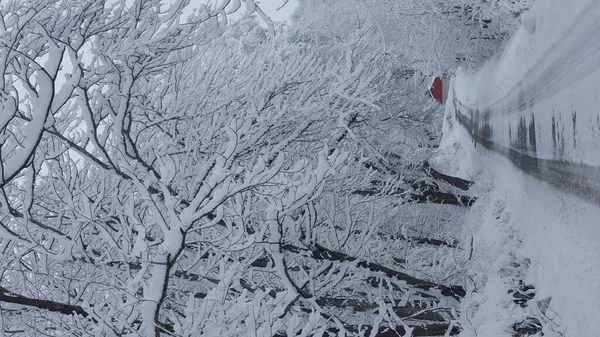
(166, 173)
(429, 36)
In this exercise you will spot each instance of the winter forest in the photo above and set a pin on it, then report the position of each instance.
(194, 168)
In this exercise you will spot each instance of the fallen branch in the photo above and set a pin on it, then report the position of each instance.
(435, 329)
(434, 197)
(415, 239)
(414, 312)
(321, 253)
(443, 198)
(454, 181)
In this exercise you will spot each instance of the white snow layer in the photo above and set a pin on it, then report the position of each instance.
(522, 228)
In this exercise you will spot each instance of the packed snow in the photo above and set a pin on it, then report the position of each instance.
(522, 228)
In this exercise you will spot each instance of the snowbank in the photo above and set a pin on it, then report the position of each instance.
(523, 229)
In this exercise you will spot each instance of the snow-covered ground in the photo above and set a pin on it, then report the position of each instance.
(523, 228)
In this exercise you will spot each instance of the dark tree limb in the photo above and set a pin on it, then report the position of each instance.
(321, 253)
(414, 312)
(416, 239)
(454, 181)
(443, 198)
(437, 329)
(68, 309)
(434, 197)
(7, 296)
(428, 241)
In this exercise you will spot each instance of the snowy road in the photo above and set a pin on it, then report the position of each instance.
(536, 107)
(578, 179)
(538, 103)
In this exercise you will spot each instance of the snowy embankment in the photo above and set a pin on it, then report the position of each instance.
(538, 99)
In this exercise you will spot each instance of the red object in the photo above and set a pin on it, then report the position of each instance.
(436, 90)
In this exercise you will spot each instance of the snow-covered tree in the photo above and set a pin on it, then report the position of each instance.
(166, 174)
(430, 36)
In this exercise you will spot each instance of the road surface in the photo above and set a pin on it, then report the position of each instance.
(537, 103)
